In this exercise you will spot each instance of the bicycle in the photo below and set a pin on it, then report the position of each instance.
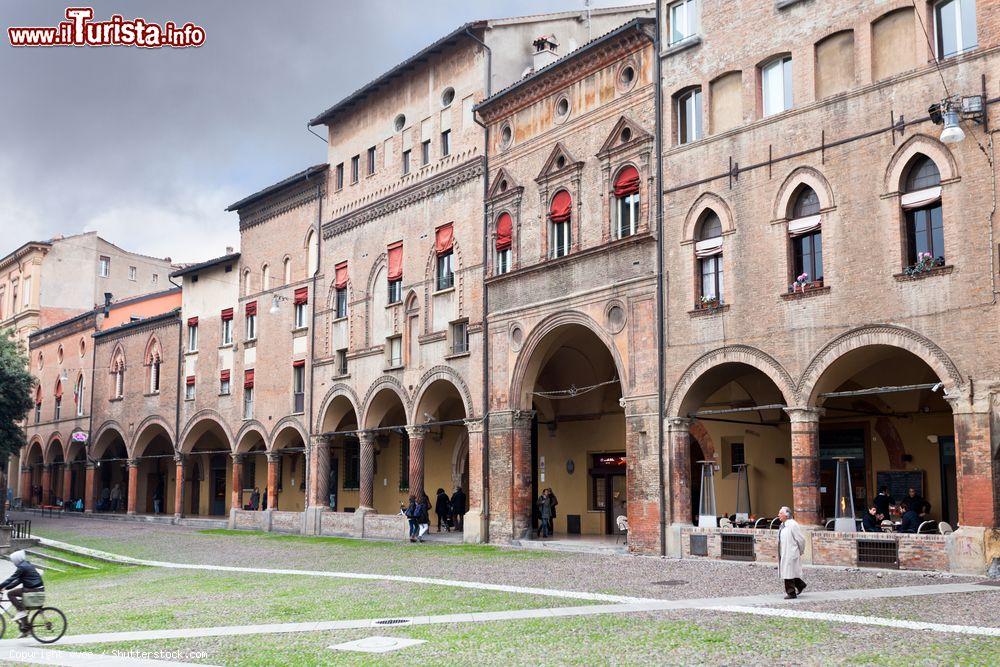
(46, 624)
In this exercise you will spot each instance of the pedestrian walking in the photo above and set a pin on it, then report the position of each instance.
(158, 498)
(458, 508)
(791, 546)
(545, 508)
(423, 517)
(442, 507)
(116, 498)
(410, 512)
(254, 499)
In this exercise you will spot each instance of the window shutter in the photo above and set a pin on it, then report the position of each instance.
(444, 238)
(301, 296)
(627, 182)
(224, 376)
(341, 276)
(251, 308)
(562, 205)
(248, 379)
(190, 380)
(227, 314)
(505, 227)
(192, 321)
(58, 393)
(395, 261)
(299, 363)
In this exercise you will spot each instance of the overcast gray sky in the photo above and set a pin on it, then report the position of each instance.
(148, 146)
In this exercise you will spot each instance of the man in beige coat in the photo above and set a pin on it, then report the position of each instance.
(791, 546)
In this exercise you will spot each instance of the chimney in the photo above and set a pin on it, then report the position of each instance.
(229, 250)
(545, 51)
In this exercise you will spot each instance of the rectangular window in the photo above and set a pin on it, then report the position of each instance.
(189, 388)
(341, 302)
(737, 456)
(776, 85)
(371, 160)
(808, 252)
(192, 337)
(248, 403)
(503, 261)
(227, 332)
(395, 291)
(300, 315)
(689, 127)
(711, 277)
(355, 168)
(105, 266)
(156, 278)
(26, 296)
(446, 143)
(683, 20)
(340, 176)
(131, 273)
(252, 327)
(342, 362)
(406, 162)
(352, 463)
(925, 233)
(425, 152)
(560, 238)
(445, 271)
(628, 214)
(225, 385)
(955, 27)
(394, 351)
(459, 337)
(298, 386)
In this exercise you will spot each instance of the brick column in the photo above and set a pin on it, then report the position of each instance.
(806, 506)
(679, 437)
(272, 480)
(237, 499)
(366, 491)
(521, 501)
(477, 476)
(416, 435)
(25, 490)
(133, 484)
(67, 481)
(88, 490)
(179, 486)
(47, 484)
(977, 502)
(319, 473)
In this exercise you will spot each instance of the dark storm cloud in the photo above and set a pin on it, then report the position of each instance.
(149, 146)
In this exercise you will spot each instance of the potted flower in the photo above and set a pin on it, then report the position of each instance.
(801, 283)
(925, 262)
(707, 302)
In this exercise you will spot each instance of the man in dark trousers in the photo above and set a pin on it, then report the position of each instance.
(25, 579)
(458, 508)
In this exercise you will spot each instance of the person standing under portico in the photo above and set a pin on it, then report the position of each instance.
(791, 546)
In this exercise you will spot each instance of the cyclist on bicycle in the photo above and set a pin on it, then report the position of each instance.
(25, 579)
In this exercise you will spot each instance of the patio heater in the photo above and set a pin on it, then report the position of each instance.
(706, 501)
(743, 493)
(843, 515)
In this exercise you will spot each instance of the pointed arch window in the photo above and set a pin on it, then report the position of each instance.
(806, 235)
(38, 404)
(78, 394)
(560, 212)
(921, 202)
(505, 232)
(626, 202)
(708, 251)
(57, 402)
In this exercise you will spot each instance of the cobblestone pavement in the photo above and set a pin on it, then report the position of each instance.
(614, 574)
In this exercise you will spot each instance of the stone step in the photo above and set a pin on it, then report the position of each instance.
(58, 559)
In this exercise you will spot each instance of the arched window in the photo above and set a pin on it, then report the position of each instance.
(38, 404)
(921, 203)
(154, 362)
(312, 252)
(505, 231)
(78, 395)
(805, 231)
(118, 375)
(627, 202)
(288, 270)
(265, 278)
(247, 291)
(708, 251)
(559, 224)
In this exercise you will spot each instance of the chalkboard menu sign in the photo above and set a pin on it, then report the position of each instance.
(900, 482)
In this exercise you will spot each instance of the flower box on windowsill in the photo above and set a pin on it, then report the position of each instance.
(941, 270)
(813, 289)
(707, 308)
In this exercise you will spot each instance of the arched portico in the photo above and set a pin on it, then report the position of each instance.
(32, 463)
(286, 467)
(151, 491)
(108, 492)
(439, 443)
(385, 448)
(205, 463)
(336, 453)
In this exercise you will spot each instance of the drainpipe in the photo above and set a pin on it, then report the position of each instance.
(180, 358)
(312, 330)
(660, 323)
(485, 330)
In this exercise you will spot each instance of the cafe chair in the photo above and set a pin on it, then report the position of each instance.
(888, 526)
(724, 522)
(945, 528)
(927, 527)
(829, 524)
(622, 522)
(775, 522)
(760, 523)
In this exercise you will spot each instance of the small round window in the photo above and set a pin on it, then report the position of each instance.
(83, 347)
(626, 135)
(562, 107)
(59, 354)
(41, 361)
(506, 135)
(399, 123)
(503, 185)
(560, 162)
(447, 97)
(626, 77)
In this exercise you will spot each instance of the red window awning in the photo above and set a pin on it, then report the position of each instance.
(58, 393)
(38, 396)
(224, 376)
(248, 379)
(301, 296)
(190, 380)
(627, 182)
(562, 206)
(505, 228)
(251, 308)
(227, 314)
(395, 262)
(340, 280)
(298, 363)
(192, 321)
(444, 238)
